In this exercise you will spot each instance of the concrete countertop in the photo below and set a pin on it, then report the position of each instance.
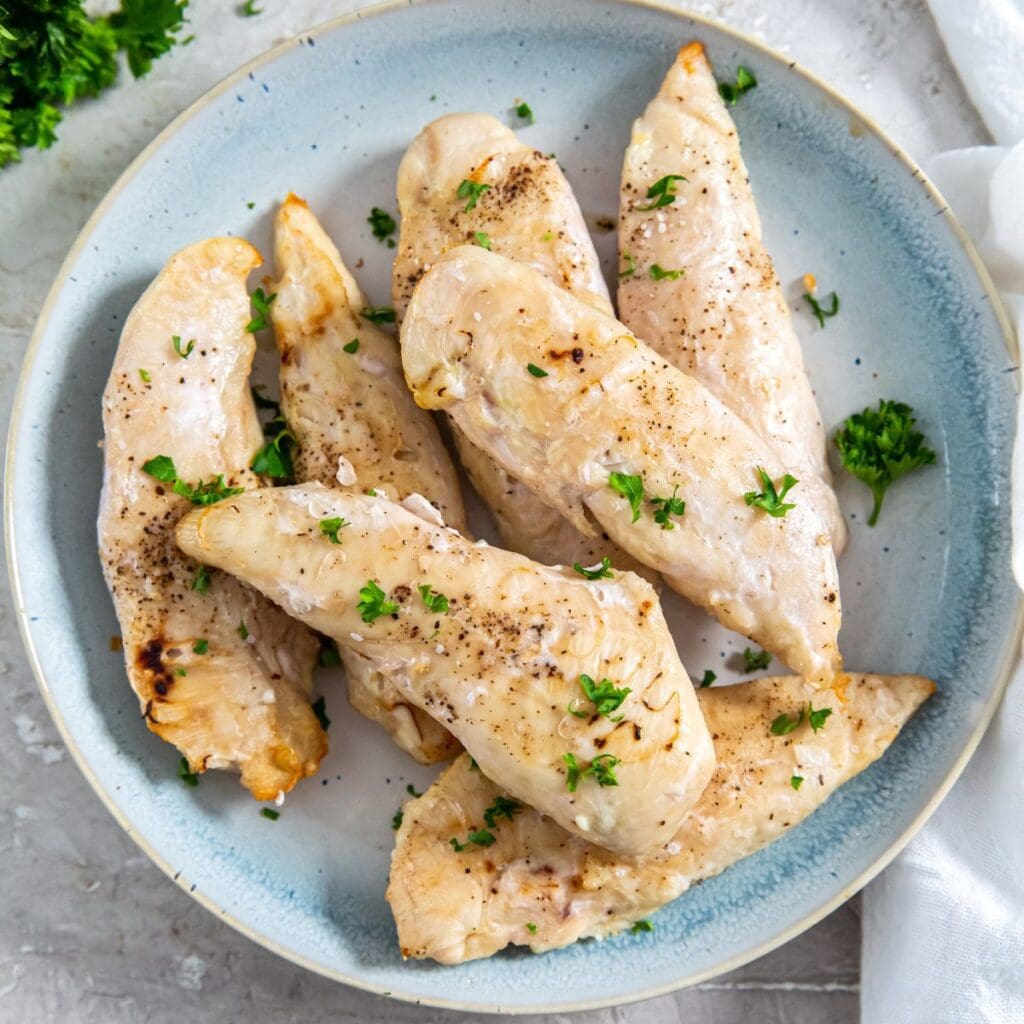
(90, 930)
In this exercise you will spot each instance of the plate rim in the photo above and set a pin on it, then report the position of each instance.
(175, 125)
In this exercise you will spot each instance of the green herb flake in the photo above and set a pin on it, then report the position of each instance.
(249, 9)
(320, 710)
(596, 572)
(274, 459)
(502, 807)
(658, 273)
(602, 768)
(412, 791)
(187, 351)
(572, 775)
(605, 696)
(784, 724)
(523, 111)
(755, 660)
(707, 679)
(261, 302)
(328, 655)
(396, 821)
(878, 446)
(383, 226)
(641, 926)
(482, 239)
(531, 927)
(330, 528)
(817, 717)
(479, 838)
(631, 488)
(270, 813)
(378, 314)
(547, 236)
(201, 584)
(434, 601)
(243, 630)
(249, 205)
(732, 91)
(373, 603)
(663, 192)
(161, 468)
(769, 500)
(351, 347)
(630, 269)
(796, 781)
(201, 646)
(670, 506)
(181, 671)
(819, 310)
(472, 191)
(185, 773)
(535, 371)
(144, 375)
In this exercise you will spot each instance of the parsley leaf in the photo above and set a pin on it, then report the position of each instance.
(185, 773)
(479, 838)
(383, 225)
(502, 807)
(535, 371)
(351, 347)
(432, 599)
(630, 266)
(201, 646)
(523, 110)
(472, 191)
(755, 660)
(641, 926)
(670, 506)
(769, 500)
(572, 775)
(783, 724)
(708, 678)
(243, 630)
(660, 274)
(249, 9)
(820, 312)
(732, 91)
(631, 488)
(144, 375)
(269, 812)
(330, 528)
(796, 781)
(396, 821)
(531, 927)
(482, 239)
(817, 717)
(598, 572)
(162, 468)
(663, 192)
(274, 459)
(604, 695)
(373, 603)
(320, 710)
(261, 302)
(878, 446)
(602, 768)
(176, 342)
(378, 314)
(201, 584)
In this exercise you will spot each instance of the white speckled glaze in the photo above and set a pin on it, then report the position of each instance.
(328, 116)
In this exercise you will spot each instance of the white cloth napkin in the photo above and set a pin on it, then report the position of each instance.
(944, 924)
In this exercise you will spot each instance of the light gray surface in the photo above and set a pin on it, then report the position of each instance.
(89, 930)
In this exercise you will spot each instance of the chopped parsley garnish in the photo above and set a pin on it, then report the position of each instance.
(373, 603)
(769, 500)
(663, 192)
(817, 716)
(144, 375)
(531, 927)
(501, 808)
(598, 572)
(434, 601)
(396, 821)
(630, 268)
(523, 110)
(378, 314)
(269, 812)
(605, 696)
(201, 646)
(572, 775)
(820, 312)
(243, 630)
(176, 342)
(201, 584)
(796, 781)
(328, 656)
(756, 660)
(658, 273)
(482, 239)
(641, 926)
(412, 791)
(472, 191)
(320, 710)
(707, 679)
(161, 467)
(878, 446)
(383, 225)
(784, 724)
(274, 459)
(535, 371)
(473, 766)
(732, 91)
(331, 527)
(631, 488)
(261, 302)
(250, 10)
(185, 773)
(351, 347)
(479, 838)
(670, 506)
(547, 236)
(181, 672)
(602, 768)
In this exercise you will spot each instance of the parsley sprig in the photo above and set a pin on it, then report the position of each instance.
(785, 724)
(732, 91)
(659, 273)
(631, 487)
(630, 268)
(598, 572)
(707, 679)
(769, 499)
(605, 696)
(383, 226)
(481, 837)
(187, 351)
(819, 310)
(502, 807)
(274, 459)
(378, 314)
(602, 768)
(670, 506)
(471, 190)
(161, 468)
(330, 528)
(878, 446)
(435, 601)
(523, 110)
(755, 660)
(261, 302)
(663, 192)
(373, 602)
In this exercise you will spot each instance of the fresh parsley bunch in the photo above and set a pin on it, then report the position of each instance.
(52, 53)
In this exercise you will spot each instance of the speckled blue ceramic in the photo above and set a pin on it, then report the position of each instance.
(328, 116)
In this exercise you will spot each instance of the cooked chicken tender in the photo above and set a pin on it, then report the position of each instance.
(219, 671)
(525, 664)
(601, 427)
(356, 427)
(538, 886)
(716, 309)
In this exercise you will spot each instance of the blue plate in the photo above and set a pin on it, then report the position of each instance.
(328, 115)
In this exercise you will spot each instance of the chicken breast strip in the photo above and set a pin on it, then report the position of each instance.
(601, 426)
(219, 671)
(494, 646)
(356, 427)
(524, 209)
(538, 886)
(723, 317)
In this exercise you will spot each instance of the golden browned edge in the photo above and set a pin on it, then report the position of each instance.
(692, 22)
